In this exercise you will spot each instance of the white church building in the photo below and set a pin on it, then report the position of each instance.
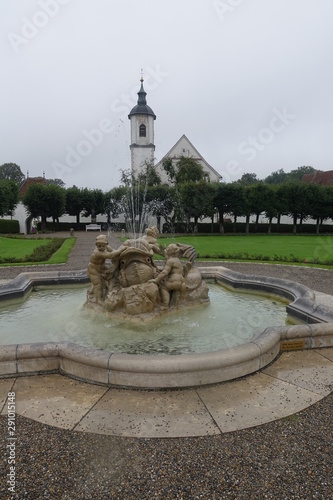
(142, 145)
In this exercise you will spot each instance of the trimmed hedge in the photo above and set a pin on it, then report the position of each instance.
(67, 226)
(209, 228)
(9, 226)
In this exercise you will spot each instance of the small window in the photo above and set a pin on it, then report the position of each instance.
(142, 130)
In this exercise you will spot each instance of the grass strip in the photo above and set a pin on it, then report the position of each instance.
(303, 249)
(44, 251)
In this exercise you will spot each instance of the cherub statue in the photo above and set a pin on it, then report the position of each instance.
(97, 271)
(171, 279)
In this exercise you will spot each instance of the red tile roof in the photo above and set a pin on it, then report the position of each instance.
(322, 178)
(28, 182)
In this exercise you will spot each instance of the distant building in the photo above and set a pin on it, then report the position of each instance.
(184, 147)
(321, 178)
(21, 213)
(142, 146)
(28, 182)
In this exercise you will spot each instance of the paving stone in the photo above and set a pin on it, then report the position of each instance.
(307, 369)
(149, 414)
(55, 399)
(6, 385)
(254, 400)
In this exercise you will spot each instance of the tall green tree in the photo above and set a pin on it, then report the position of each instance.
(237, 201)
(278, 177)
(295, 204)
(260, 195)
(45, 201)
(297, 174)
(185, 170)
(248, 179)
(197, 200)
(223, 201)
(74, 203)
(94, 203)
(12, 172)
(273, 204)
(9, 196)
(161, 199)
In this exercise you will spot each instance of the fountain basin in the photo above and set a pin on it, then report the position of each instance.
(186, 370)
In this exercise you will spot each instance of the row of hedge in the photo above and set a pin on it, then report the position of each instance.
(239, 227)
(203, 228)
(8, 226)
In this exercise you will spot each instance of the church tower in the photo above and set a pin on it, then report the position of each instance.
(142, 132)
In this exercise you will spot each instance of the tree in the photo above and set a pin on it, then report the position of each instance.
(223, 201)
(9, 196)
(297, 174)
(317, 202)
(248, 206)
(160, 201)
(149, 176)
(248, 179)
(94, 202)
(237, 201)
(113, 202)
(197, 200)
(74, 203)
(45, 201)
(56, 201)
(12, 172)
(273, 204)
(185, 170)
(259, 196)
(294, 192)
(278, 177)
(57, 182)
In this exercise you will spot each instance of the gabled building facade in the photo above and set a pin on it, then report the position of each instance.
(184, 147)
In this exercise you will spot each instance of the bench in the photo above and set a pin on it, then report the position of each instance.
(93, 227)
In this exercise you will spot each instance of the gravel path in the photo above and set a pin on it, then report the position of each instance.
(286, 459)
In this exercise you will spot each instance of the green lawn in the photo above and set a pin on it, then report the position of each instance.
(21, 249)
(269, 248)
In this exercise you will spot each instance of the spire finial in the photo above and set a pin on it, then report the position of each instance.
(141, 79)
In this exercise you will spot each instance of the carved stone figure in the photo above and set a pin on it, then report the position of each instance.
(131, 286)
(96, 268)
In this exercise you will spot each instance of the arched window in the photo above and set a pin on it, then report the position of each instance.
(142, 130)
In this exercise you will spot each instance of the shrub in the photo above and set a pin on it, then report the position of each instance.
(9, 226)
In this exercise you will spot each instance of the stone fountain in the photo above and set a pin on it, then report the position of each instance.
(128, 284)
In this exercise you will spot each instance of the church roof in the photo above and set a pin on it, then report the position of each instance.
(319, 177)
(28, 182)
(142, 107)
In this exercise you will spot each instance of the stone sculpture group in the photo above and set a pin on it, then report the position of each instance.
(127, 282)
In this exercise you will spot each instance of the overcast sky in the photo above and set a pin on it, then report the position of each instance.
(249, 82)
